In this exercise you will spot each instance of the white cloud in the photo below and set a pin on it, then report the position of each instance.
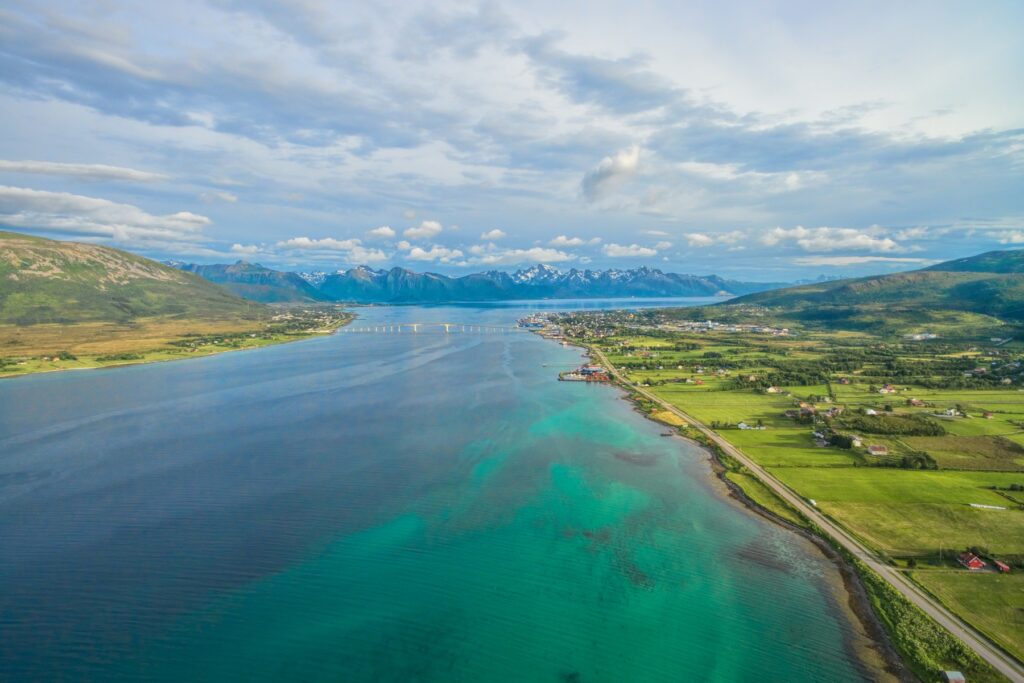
(215, 196)
(632, 250)
(408, 214)
(360, 254)
(1011, 237)
(565, 241)
(325, 244)
(731, 238)
(663, 245)
(855, 260)
(383, 232)
(83, 171)
(435, 253)
(424, 230)
(699, 239)
(245, 249)
(912, 233)
(493, 235)
(71, 213)
(508, 257)
(656, 233)
(829, 239)
(404, 245)
(611, 173)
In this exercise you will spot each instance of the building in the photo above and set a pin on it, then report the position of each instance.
(875, 449)
(971, 561)
(988, 415)
(953, 677)
(887, 389)
(916, 402)
(772, 390)
(1001, 566)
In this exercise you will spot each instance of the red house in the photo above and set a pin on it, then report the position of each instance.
(971, 561)
(1002, 566)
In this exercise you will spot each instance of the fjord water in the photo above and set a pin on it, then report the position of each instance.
(386, 507)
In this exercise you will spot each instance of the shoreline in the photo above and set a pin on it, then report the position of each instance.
(326, 332)
(881, 655)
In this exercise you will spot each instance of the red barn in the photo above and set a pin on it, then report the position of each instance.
(971, 561)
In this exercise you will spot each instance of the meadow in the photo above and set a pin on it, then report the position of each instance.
(948, 414)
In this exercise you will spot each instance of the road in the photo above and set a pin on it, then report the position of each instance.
(991, 653)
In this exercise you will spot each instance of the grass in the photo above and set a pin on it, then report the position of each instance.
(994, 602)
(927, 648)
(49, 347)
(902, 514)
(971, 452)
(765, 497)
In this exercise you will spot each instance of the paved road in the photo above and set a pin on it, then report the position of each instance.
(999, 660)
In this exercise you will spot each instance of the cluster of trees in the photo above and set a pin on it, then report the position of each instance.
(900, 425)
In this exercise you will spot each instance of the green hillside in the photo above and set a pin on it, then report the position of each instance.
(46, 281)
(1011, 261)
(977, 292)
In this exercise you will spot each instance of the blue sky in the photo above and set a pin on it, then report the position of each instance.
(763, 140)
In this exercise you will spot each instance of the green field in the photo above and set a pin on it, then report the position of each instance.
(911, 503)
(994, 602)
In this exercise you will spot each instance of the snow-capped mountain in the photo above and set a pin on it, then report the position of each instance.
(398, 285)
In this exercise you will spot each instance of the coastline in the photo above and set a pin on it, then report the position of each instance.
(165, 355)
(878, 655)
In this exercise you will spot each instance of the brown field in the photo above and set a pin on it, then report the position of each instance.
(108, 338)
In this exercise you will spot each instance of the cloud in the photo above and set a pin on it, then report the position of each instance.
(408, 214)
(663, 245)
(383, 232)
(699, 239)
(327, 243)
(435, 253)
(829, 239)
(632, 250)
(731, 238)
(912, 233)
(218, 196)
(656, 233)
(493, 235)
(360, 254)
(245, 249)
(424, 230)
(509, 257)
(565, 241)
(611, 173)
(1011, 237)
(63, 212)
(840, 261)
(82, 171)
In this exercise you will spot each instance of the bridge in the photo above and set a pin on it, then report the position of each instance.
(417, 328)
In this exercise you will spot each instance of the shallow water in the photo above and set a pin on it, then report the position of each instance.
(385, 507)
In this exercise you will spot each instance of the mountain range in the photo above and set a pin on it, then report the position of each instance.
(400, 285)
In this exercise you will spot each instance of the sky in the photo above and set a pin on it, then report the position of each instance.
(760, 140)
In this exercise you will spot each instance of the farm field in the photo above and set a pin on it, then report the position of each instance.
(896, 441)
(995, 602)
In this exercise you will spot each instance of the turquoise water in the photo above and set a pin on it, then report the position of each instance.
(386, 508)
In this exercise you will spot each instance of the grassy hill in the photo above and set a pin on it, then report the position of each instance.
(977, 292)
(46, 281)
